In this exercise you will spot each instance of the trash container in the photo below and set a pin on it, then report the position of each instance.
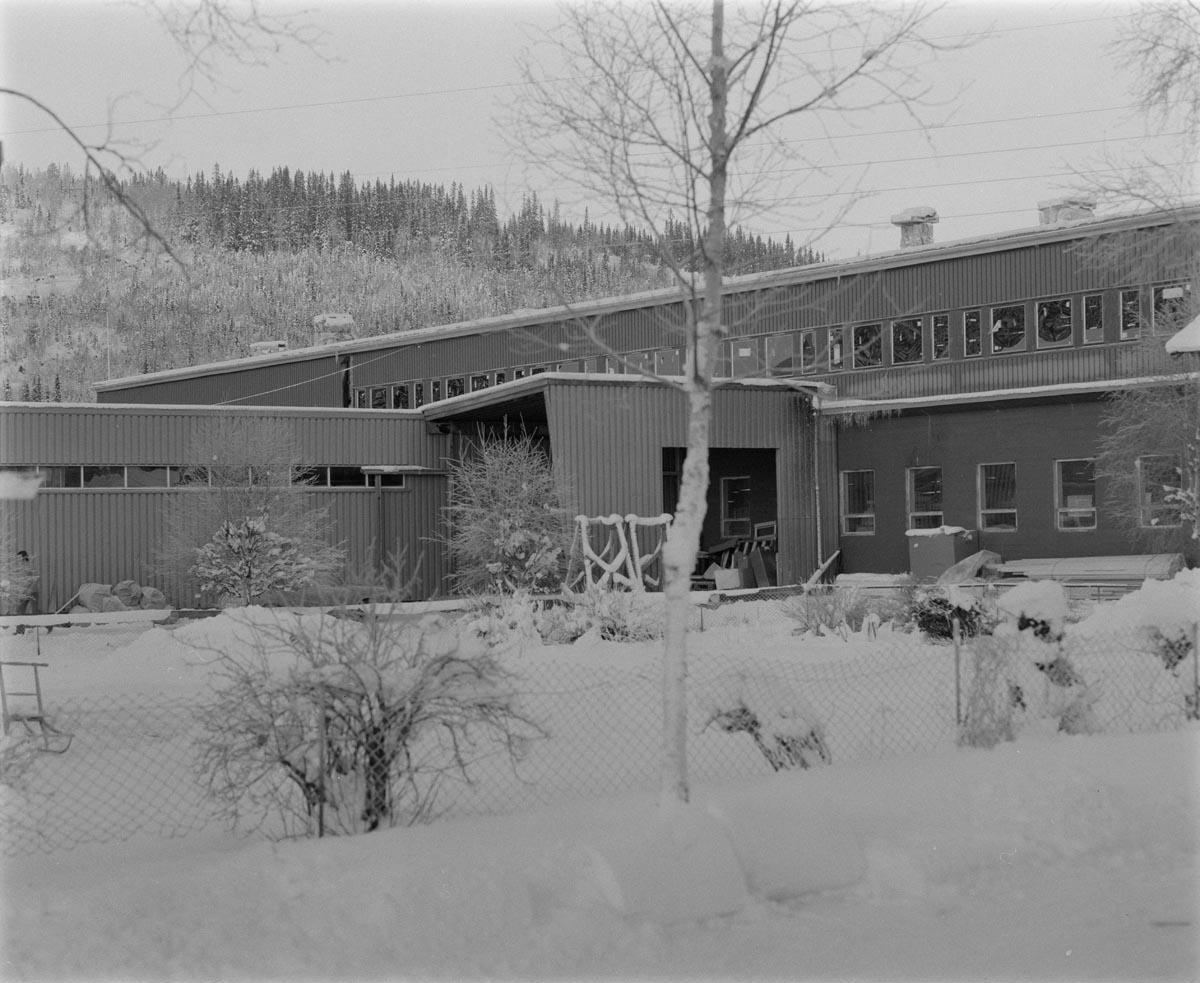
(933, 551)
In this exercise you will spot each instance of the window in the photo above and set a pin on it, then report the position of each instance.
(379, 398)
(400, 397)
(998, 497)
(941, 336)
(1075, 495)
(808, 351)
(314, 477)
(1054, 323)
(537, 370)
(435, 390)
(455, 387)
(103, 476)
(345, 477)
(669, 361)
(1158, 486)
(837, 354)
(1008, 328)
(735, 506)
(1093, 318)
(868, 345)
(143, 476)
(858, 503)
(907, 341)
(1170, 305)
(781, 352)
(360, 399)
(1131, 313)
(499, 378)
(418, 389)
(745, 357)
(924, 498)
(972, 334)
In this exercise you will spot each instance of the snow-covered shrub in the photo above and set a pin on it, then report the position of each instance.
(347, 724)
(245, 559)
(938, 608)
(1022, 673)
(993, 700)
(508, 529)
(619, 616)
(506, 620)
(839, 609)
(776, 716)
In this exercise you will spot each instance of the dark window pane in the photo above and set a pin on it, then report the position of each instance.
(941, 336)
(379, 398)
(1131, 313)
(868, 345)
(400, 397)
(1054, 322)
(455, 387)
(1008, 328)
(343, 477)
(972, 334)
(907, 341)
(1093, 318)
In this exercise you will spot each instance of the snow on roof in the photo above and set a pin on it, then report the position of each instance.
(1186, 339)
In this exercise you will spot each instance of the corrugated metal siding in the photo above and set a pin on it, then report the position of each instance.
(71, 434)
(609, 443)
(310, 382)
(105, 536)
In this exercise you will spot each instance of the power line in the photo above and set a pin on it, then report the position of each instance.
(460, 90)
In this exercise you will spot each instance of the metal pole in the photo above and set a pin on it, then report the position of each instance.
(956, 637)
(321, 769)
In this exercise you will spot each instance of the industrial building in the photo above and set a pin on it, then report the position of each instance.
(941, 384)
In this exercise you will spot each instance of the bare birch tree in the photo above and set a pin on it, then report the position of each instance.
(208, 34)
(667, 111)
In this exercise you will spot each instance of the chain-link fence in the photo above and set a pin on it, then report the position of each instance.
(759, 695)
(129, 769)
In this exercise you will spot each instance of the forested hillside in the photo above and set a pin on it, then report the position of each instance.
(84, 296)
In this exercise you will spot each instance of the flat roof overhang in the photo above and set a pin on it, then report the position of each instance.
(527, 398)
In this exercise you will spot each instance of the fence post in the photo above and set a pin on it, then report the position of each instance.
(320, 768)
(956, 638)
(1196, 671)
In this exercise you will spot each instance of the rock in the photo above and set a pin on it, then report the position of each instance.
(153, 598)
(92, 596)
(112, 603)
(129, 593)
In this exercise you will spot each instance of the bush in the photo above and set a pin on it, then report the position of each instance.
(245, 560)
(619, 616)
(937, 608)
(829, 611)
(508, 529)
(346, 724)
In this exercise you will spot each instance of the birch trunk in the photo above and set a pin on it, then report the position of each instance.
(683, 541)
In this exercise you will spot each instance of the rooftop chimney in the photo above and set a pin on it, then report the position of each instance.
(1067, 209)
(916, 225)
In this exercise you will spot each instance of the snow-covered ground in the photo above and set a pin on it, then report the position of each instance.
(1051, 857)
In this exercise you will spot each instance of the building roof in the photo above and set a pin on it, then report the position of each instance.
(908, 256)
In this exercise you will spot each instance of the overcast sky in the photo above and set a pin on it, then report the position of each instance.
(413, 89)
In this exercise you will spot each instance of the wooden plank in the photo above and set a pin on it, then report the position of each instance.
(133, 616)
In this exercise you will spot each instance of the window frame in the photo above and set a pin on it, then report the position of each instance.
(972, 333)
(862, 352)
(911, 499)
(939, 324)
(1093, 335)
(916, 324)
(1062, 509)
(849, 518)
(996, 316)
(1157, 299)
(728, 521)
(1129, 308)
(983, 510)
(1042, 314)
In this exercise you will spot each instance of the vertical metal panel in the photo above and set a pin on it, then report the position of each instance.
(609, 440)
(306, 382)
(106, 536)
(51, 434)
